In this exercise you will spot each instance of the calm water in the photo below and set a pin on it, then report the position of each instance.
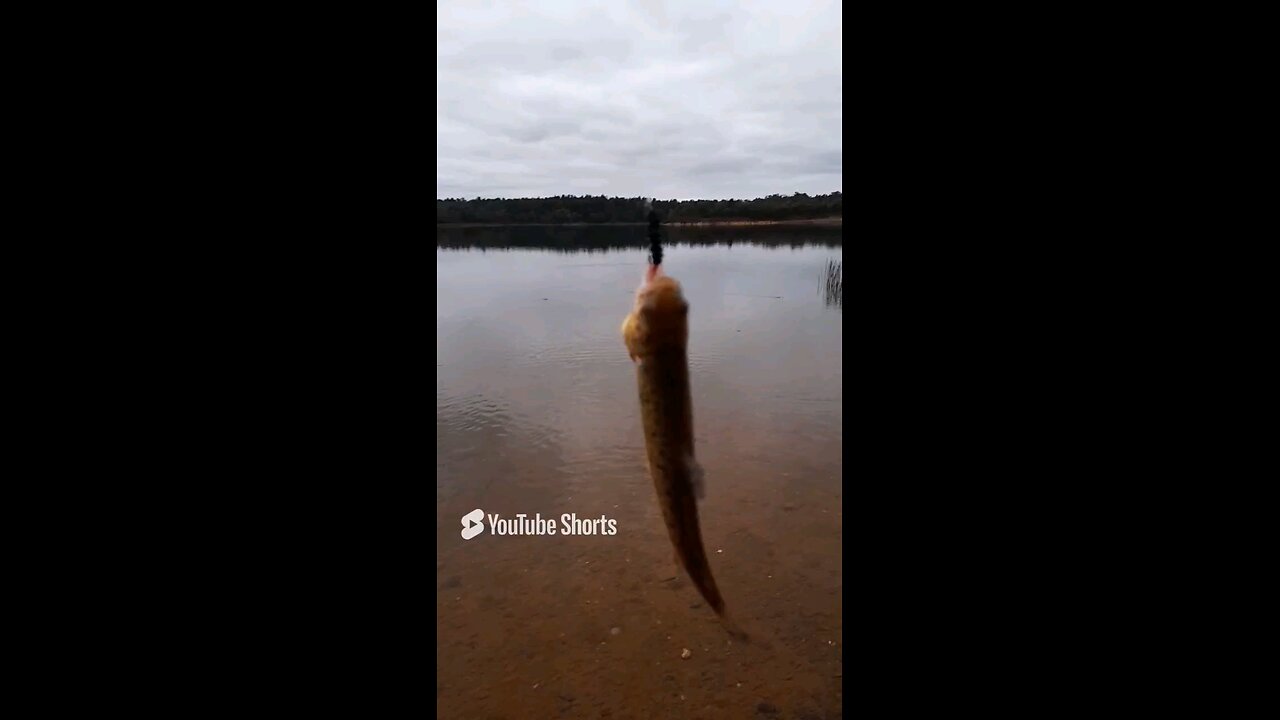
(537, 412)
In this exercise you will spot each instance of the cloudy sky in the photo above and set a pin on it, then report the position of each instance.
(684, 99)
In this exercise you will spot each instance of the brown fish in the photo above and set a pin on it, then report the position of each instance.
(656, 334)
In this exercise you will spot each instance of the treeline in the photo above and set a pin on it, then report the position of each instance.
(590, 238)
(564, 209)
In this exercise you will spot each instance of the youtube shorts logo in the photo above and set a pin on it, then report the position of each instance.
(472, 524)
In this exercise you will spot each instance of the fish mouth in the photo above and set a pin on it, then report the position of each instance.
(660, 293)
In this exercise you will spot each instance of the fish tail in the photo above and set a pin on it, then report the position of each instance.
(693, 555)
(700, 572)
(734, 629)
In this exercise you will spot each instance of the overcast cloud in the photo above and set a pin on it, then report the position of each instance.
(696, 99)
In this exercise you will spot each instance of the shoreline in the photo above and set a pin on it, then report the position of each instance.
(829, 222)
(811, 221)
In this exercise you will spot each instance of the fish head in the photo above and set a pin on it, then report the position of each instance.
(660, 316)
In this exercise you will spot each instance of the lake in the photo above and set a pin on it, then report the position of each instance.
(537, 412)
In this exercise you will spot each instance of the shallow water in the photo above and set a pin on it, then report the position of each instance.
(537, 413)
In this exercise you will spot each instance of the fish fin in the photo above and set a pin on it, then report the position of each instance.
(698, 478)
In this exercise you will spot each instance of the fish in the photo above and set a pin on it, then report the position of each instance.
(656, 335)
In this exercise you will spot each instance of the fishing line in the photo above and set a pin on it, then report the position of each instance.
(655, 238)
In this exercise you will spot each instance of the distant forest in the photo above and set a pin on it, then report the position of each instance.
(565, 209)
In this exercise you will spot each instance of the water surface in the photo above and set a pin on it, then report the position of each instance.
(537, 412)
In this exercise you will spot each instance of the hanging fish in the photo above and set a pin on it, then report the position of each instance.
(656, 333)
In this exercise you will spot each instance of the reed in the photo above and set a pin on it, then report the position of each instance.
(833, 283)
